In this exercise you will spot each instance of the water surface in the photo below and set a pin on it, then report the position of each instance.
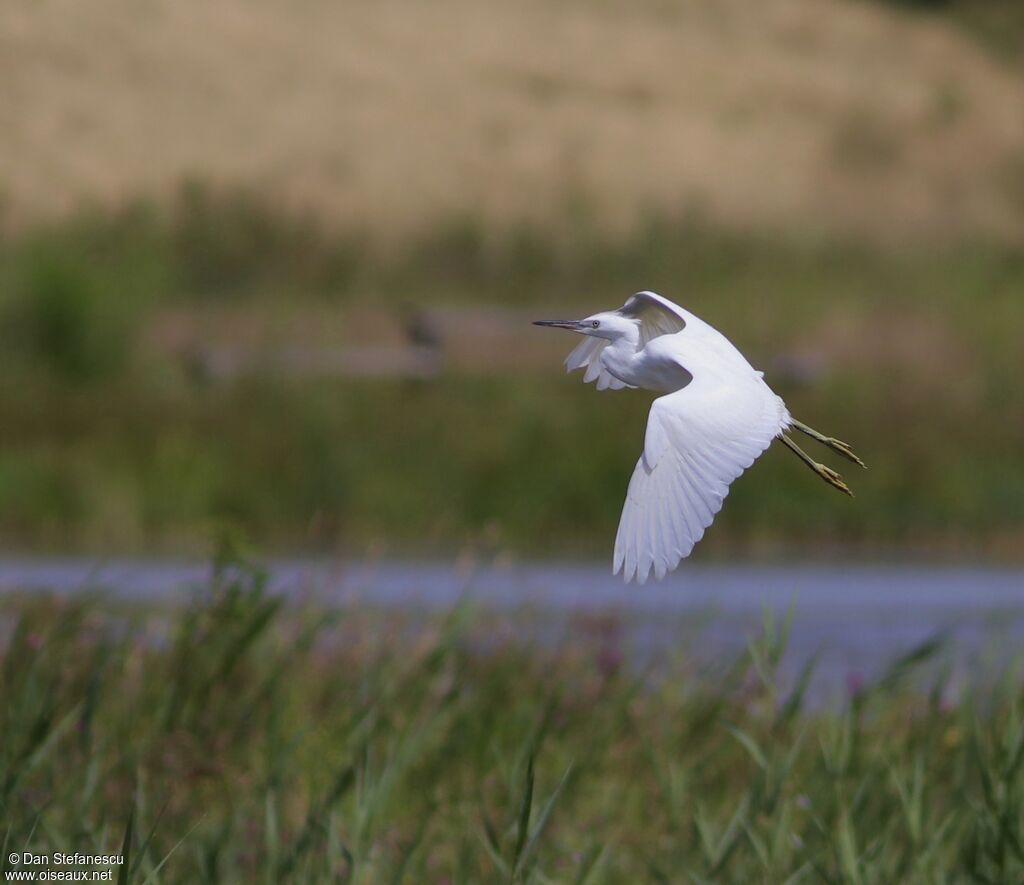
(855, 617)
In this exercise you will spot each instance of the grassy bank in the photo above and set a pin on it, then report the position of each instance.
(240, 740)
(852, 116)
(501, 465)
(111, 443)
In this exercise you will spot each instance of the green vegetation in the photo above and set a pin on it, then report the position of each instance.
(998, 24)
(112, 444)
(242, 739)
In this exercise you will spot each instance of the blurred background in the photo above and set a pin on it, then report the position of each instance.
(267, 272)
(271, 266)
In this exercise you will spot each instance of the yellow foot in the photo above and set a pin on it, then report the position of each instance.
(838, 446)
(832, 478)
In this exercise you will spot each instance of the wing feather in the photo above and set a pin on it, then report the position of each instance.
(587, 355)
(658, 316)
(698, 441)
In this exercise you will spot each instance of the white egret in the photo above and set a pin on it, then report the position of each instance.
(717, 416)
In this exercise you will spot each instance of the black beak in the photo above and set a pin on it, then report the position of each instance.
(574, 325)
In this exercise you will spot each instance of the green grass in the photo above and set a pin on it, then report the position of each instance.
(242, 739)
(418, 469)
(108, 445)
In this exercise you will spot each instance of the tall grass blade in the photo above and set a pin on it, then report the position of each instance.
(154, 875)
(124, 873)
(543, 818)
(523, 825)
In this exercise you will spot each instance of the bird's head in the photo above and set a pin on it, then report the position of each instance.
(610, 326)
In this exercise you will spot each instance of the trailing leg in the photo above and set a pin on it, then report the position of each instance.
(836, 445)
(826, 473)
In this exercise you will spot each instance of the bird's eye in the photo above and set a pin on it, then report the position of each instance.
(596, 324)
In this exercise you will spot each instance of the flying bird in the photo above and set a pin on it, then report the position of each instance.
(715, 418)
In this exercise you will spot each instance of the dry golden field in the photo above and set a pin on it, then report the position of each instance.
(814, 116)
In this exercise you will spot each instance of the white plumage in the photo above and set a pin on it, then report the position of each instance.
(716, 417)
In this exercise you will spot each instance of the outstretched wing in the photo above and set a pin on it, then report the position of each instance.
(699, 439)
(657, 316)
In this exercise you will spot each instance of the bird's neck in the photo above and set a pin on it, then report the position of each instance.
(649, 367)
(620, 358)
